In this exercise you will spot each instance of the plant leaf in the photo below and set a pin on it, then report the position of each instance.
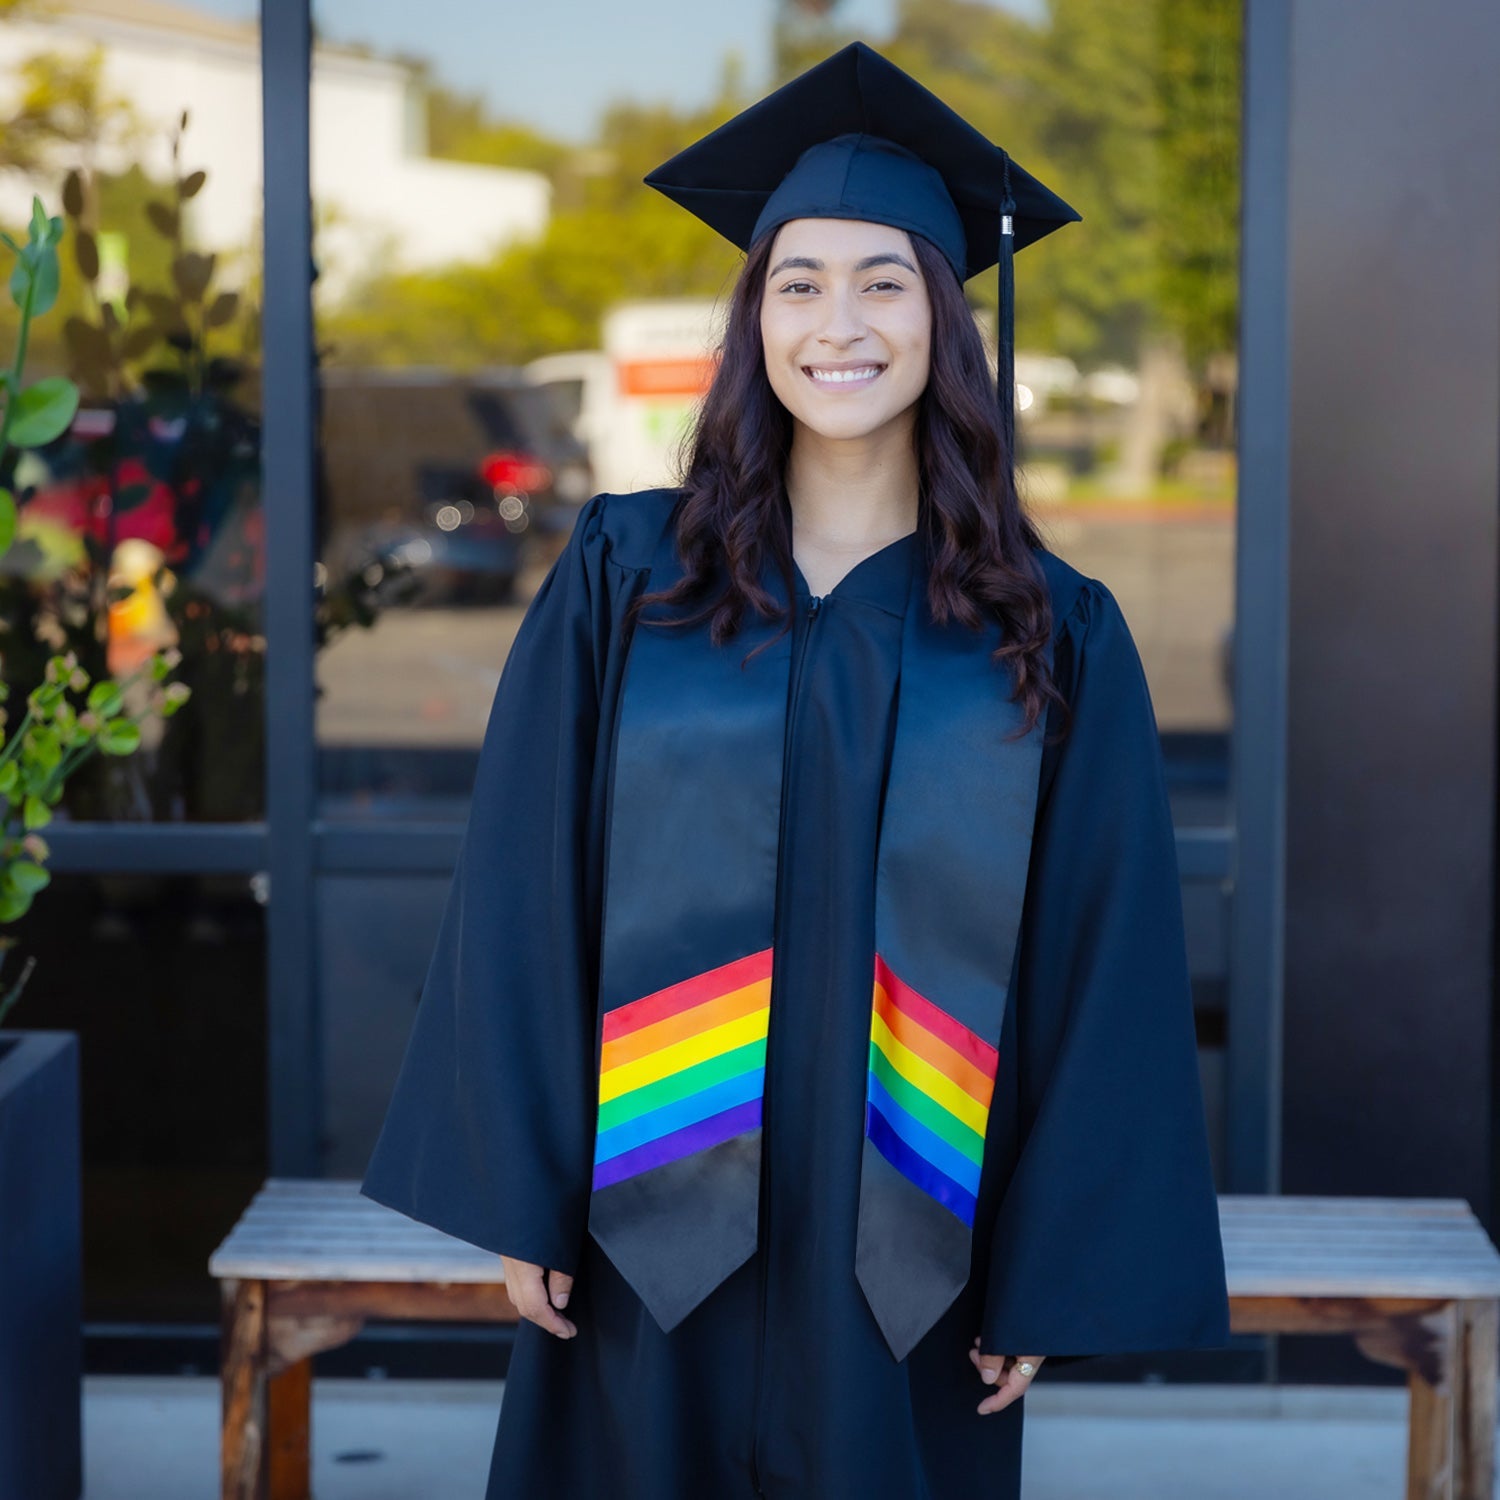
(128, 497)
(20, 278)
(7, 520)
(163, 218)
(44, 281)
(222, 309)
(104, 699)
(119, 737)
(162, 307)
(24, 875)
(139, 340)
(13, 905)
(86, 254)
(42, 411)
(192, 272)
(36, 813)
(45, 746)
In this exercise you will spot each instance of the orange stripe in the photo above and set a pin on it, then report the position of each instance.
(686, 1023)
(935, 1019)
(932, 1049)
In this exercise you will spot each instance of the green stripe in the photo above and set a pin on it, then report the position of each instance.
(958, 1134)
(680, 1084)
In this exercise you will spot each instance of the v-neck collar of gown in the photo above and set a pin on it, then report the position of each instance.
(879, 578)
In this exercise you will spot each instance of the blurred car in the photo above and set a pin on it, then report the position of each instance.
(460, 483)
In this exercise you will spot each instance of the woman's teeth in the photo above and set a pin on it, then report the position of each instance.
(845, 377)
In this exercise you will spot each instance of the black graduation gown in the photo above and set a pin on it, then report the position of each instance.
(1097, 1227)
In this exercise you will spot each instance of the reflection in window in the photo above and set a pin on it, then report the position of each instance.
(163, 978)
(493, 234)
(141, 527)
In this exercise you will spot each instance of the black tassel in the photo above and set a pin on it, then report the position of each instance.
(1005, 324)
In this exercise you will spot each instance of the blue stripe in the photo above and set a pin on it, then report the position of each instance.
(951, 1162)
(911, 1166)
(716, 1098)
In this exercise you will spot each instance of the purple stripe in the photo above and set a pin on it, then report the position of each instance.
(691, 1138)
(916, 1168)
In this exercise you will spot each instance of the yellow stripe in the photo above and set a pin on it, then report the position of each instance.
(694, 1049)
(712, 1011)
(921, 1074)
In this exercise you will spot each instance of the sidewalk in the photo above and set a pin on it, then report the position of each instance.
(149, 1438)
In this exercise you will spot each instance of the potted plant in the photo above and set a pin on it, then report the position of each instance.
(68, 718)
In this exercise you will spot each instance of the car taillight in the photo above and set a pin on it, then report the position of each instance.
(515, 472)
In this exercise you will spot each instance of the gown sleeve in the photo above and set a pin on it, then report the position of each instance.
(1107, 1236)
(488, 1135)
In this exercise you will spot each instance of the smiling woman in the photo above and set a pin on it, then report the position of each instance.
(849, 1024)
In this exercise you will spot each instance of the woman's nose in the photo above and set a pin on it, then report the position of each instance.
(844, 320)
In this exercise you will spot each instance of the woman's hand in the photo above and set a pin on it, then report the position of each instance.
(528, 1287)
(1001, 1371)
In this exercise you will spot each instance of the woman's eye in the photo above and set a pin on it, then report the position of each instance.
(792, 286)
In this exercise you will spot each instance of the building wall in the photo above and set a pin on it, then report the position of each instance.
(1394, 258)
(378, 203)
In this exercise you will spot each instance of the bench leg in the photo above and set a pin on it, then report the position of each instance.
(290, 1411)
(1430, 1467)
(1475, 1417)
(242, 1374)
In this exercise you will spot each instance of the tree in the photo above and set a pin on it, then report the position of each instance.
(64, 110)
(1130, 108)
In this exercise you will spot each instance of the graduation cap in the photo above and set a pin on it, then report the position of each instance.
(856, 137)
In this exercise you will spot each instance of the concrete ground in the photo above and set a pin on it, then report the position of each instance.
(150, 1438)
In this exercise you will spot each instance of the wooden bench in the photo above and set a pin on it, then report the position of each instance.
(1416, 1282)
(305, 1266)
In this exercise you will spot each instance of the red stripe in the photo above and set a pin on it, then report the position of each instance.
(927, 1015)
(686, 993)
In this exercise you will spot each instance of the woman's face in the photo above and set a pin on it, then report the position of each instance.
(845, 295)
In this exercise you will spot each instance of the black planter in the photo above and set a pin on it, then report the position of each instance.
(41, 1299)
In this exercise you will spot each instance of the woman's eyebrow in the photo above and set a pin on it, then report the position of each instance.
(809, 263)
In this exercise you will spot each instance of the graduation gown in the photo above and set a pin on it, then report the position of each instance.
(1096, 1229)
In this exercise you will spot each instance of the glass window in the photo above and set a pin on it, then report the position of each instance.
(484, 238)
(141, 526)
(163, 978)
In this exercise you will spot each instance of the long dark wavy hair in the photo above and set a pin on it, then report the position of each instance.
(978, 543)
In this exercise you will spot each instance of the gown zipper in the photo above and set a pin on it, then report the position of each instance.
(814, 605)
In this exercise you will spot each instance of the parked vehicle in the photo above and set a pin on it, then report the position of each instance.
(631, 401)
(459, 481)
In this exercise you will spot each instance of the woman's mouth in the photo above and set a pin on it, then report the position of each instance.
(855, 377)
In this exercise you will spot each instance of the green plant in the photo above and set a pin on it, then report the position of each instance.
(178, 321)
(69, 715)
(68, 718)
(37, 413)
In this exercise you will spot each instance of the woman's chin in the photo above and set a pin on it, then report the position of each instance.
(844, 427)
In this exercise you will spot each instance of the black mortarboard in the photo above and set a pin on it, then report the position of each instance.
(855, 137)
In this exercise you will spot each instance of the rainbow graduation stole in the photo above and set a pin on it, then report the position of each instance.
(687, 947)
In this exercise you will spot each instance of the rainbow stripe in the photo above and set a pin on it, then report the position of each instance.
(928, 1097)
(683, 1068)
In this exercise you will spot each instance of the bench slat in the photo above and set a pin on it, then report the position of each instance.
(1307, 1203)
(1299, 1246)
